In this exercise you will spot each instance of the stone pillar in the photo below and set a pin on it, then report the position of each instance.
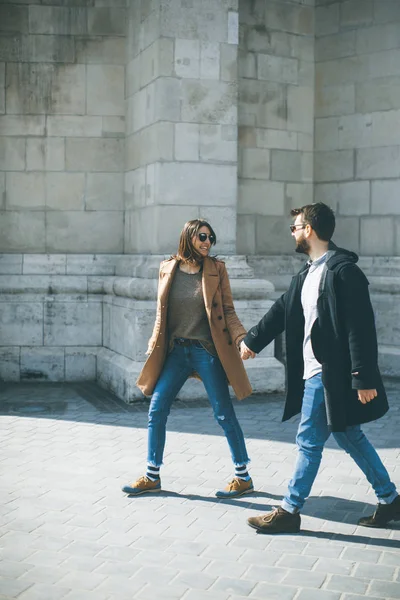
(181, 136)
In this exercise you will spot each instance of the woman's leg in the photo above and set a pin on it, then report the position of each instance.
(173, 375)
(214, 378)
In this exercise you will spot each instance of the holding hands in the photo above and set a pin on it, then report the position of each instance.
(245, 352)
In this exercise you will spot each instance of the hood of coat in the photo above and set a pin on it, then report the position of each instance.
(337, 256)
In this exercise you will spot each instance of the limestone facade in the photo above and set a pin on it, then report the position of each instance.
(122, 119)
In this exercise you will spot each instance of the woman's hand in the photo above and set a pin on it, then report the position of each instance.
(245, 352)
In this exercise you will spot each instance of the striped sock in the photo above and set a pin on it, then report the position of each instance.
(153, 473)
(242, 473)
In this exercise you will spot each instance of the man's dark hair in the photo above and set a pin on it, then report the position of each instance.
(319, 216)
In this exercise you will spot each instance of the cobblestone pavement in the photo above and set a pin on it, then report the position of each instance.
(67, 532)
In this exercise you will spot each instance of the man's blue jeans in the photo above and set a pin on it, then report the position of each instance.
(180, 363)
(312, 434)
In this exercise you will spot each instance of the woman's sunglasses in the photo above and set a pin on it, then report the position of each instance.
(203, 236)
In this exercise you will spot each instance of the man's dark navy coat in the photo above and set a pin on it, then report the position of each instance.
(343, 339)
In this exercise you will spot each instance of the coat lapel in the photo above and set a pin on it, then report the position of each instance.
(210, 281)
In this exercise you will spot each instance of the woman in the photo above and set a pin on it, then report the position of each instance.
(196, 333)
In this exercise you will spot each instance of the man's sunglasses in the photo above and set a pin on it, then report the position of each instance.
(203, 236)
(293, 227)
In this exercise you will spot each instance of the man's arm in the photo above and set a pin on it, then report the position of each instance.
(266, 330)
(356, 313)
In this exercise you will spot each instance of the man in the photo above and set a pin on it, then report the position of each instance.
(332, 372)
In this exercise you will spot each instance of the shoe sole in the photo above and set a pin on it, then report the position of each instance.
(269, 531)
(235, 495)
(142, 492)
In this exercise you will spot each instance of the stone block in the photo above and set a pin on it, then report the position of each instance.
(187, 58)
(347, 233)
(107, 21)
(57, 20)
(298, 194)
(187, 141)
(9, 363)
(378, 94)
(233, 26)
(356, 13)
(96, 155)
(288, 165)
(50, 48)
(213, 146)
(204, 21)
(327, 19)
(62, 89)
(209, 60)
(378, 163)
(113, 126)
(22, 232)
(22, 125)
(65, 191)
(92, 231)
(305, 141)
(385, 197)
(336, 100)
(265, 101)
(228, 62)
(246, 234)
(72, 323)
(42, 364)
(352, 198)
(2, 190)
(378, 38)
(100, 50)
(105, 90)
(300, 107)
(11, 264)
(104, 191)
(204, 184)
(254, 163)
(45, 154)
(293, 18)
(386, 11)
(334, 166)
(91, 264)
(209, 102)
(21, 323)
(260, 197)
(118, 374)
(2, 88)
(14, 19)
(44, 264)
(377, 236)
(151, 144)
(277, 43)
(338, 45)
(135, 188)
(11, 47)
(167, 99)
(25, 191)
(156, 60)
(277, 68)
(74, 126)
(80, 364)
(247, 64)
(126, 330)
(273, 235)
(275, 138)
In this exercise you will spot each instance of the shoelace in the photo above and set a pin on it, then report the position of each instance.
(234, 484)
(269, 516)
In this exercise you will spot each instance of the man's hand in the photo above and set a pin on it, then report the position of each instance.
(366, 396)
(245, 352)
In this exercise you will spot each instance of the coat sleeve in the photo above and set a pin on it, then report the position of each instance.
(357, 317)
(234, 325)
(157, 322)
(268, 328)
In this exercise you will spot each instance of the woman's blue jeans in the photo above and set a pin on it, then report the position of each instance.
(180, 363)
(312, 434)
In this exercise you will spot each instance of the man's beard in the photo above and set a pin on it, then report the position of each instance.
(302, 246)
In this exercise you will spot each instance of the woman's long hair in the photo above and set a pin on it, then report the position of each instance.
(186, 251)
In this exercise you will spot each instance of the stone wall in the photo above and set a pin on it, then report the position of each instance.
(357, 127)
(276, 120)
(62, 126)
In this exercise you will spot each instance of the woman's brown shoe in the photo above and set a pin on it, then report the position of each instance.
(276, 521)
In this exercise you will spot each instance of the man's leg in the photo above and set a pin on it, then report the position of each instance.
(311, 437)
(357, 445)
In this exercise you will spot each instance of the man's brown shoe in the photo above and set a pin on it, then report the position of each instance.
(276, 521)
(383, 514)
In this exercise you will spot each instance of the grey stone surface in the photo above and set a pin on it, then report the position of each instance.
(62, 538)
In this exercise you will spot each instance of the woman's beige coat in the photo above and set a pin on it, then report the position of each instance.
(226, 329)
